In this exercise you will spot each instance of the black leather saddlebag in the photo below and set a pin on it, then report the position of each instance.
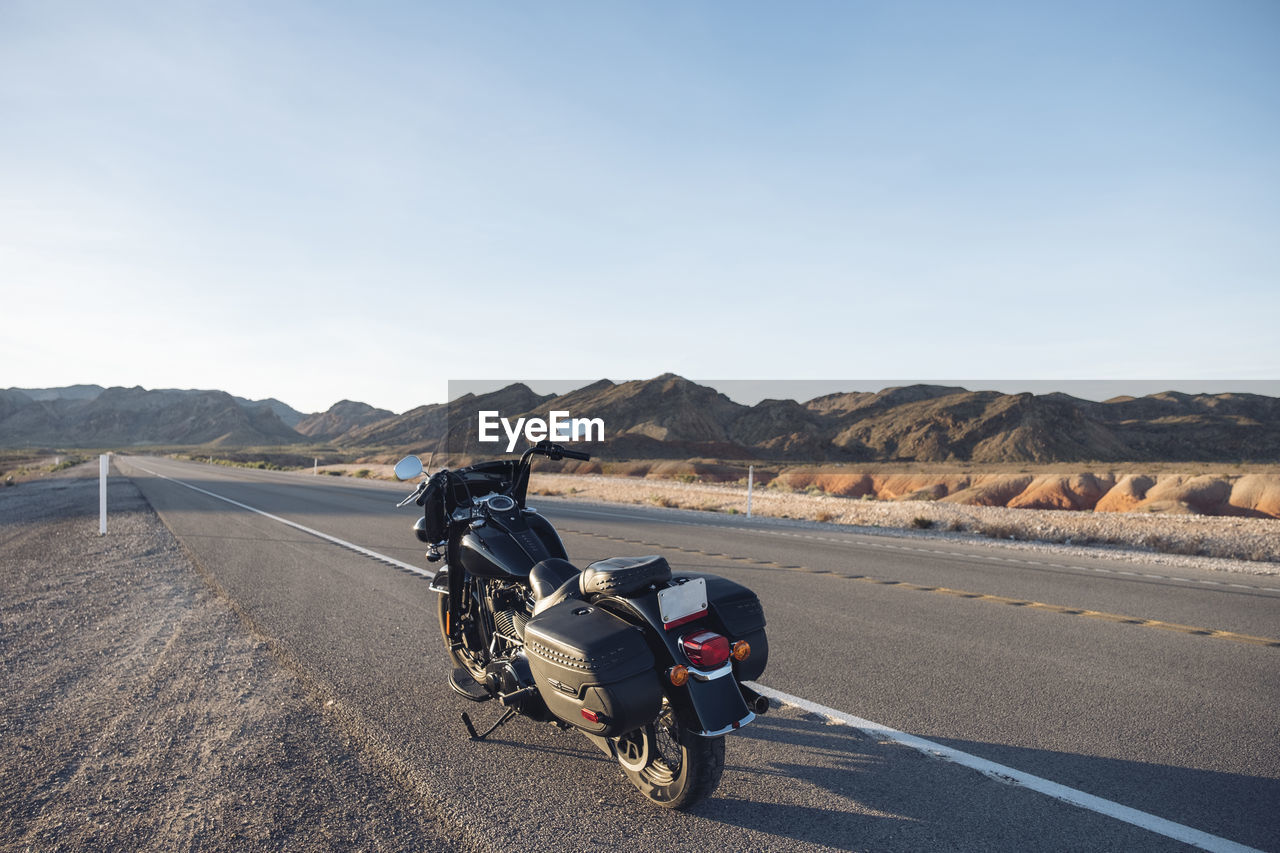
(585, 658)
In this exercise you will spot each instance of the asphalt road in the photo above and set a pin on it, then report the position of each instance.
(1154, 689)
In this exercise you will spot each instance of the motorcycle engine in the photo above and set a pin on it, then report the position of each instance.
(513, 675)
(510, 623)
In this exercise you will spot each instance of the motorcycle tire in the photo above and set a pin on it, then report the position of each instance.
(670, 766)
(476, 668)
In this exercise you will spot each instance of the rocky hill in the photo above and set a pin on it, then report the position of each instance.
(342, 417)
(444, 427)
(131, 417)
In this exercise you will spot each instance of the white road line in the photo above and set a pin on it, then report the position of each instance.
(998, 772)
(1010, 776)
(334, 539)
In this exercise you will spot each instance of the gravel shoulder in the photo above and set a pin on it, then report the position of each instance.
(141, 713)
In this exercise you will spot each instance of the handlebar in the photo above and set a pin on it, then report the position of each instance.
(415, 496)
(554, 452)
(440, 481)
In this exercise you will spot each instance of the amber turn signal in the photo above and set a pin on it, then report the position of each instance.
(678, 675)
(741, 650)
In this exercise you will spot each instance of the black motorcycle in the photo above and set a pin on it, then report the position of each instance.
(646, 662)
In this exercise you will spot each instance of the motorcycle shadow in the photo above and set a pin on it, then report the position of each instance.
(801, 778)
(797, 776)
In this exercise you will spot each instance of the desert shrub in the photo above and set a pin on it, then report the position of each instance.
(626, 469)
(69, 462)
(998, 530)
(1259, 553)
(824, 516)
(921, 523)
(363, 473)
(662, 500)
(687, 478)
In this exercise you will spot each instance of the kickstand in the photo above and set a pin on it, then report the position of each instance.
(511, 712)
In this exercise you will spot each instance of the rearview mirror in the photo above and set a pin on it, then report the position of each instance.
(408, 468)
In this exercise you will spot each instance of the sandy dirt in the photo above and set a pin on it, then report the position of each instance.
(140, 713)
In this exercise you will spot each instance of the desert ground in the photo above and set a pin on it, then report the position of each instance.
(142, 712)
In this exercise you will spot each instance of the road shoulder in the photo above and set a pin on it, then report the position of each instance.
(142, 713)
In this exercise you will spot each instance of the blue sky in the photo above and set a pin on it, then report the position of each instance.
(317, 201)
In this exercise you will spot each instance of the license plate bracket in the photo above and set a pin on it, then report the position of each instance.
(682, 601)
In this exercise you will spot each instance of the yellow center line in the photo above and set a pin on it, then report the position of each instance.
(959, 593)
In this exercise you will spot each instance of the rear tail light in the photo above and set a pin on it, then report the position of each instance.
(705, 649)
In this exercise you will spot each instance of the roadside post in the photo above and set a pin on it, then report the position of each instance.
(751, 476)
(316, 472)
(103, 464)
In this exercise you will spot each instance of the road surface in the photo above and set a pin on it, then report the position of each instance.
(1150, 694)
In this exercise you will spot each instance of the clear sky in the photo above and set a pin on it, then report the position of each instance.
(326, 200)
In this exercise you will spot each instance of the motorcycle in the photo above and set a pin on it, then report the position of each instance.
(647, 662)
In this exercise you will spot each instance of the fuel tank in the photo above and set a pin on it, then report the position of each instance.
(508, 548)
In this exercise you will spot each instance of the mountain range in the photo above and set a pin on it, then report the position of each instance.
(669, 417)
(93, 416)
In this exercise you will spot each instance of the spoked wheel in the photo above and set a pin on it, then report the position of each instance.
(669, 765)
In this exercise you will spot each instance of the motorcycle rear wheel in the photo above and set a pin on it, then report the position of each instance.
(671, 766)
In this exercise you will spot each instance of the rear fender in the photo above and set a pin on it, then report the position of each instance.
(711, 702)
(717, 702)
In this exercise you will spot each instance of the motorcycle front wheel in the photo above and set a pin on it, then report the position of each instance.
(671, 766)
(473, 661)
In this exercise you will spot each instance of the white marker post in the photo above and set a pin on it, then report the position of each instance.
(751, 477)
(316, 472)
(103, 464)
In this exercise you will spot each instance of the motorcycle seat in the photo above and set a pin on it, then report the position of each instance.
(624, 575)
(554, 580)
(547, 576)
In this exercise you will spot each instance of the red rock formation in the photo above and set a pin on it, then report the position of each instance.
(1056, 491)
